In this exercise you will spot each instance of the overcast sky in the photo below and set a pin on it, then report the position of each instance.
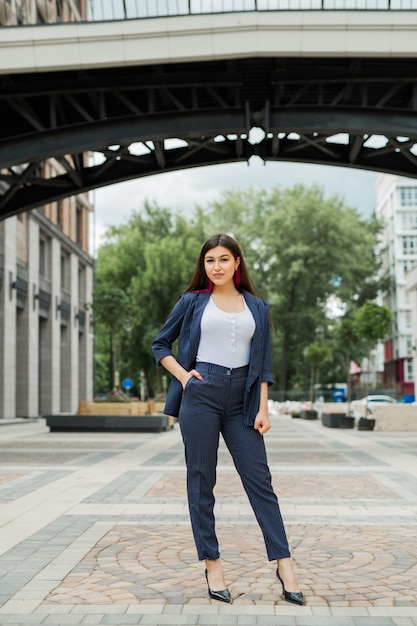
(182, 190)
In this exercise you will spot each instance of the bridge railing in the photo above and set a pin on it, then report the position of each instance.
(12, 12)
(135, 9)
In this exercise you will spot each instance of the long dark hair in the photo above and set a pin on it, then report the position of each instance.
(201, 283)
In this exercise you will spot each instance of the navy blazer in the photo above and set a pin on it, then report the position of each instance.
(184, 322)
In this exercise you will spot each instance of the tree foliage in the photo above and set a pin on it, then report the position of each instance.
(143, 266)
(301, 248)
(317, 353)
(359, 331)
(347, 342)
(373, 323)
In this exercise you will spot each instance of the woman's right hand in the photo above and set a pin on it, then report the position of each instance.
(171, 364)
(190, 374)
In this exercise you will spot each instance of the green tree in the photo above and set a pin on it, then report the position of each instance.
(111, 309)
(373, 323)
(301, 248)
(316, 354)
(318, 249)
(348, 342)
(142, 266)
(168, 264)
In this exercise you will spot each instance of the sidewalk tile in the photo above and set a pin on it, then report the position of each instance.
(98, 533)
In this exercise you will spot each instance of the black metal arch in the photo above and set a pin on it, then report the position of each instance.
(139, 121)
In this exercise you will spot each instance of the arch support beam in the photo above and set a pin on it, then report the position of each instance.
(357, 113)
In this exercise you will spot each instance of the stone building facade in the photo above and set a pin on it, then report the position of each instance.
(46, 281)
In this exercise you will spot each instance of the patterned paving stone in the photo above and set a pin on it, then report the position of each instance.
(21, 457)
(338, 566)
(55, 451)
(21, 484)
(5, 478)
(296, 457)
(55, 444)
(286, 486)
(116, 543)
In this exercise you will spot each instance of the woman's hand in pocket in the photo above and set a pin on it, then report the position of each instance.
(190, 374)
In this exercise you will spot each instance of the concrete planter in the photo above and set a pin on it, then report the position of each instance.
(110, 423)
(331, 420)
(309, 414)
(337, 420)
(345, 421)
(366, 424)
(112, 408)
(395, 417)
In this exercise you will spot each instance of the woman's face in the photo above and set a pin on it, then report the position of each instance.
(220, 265)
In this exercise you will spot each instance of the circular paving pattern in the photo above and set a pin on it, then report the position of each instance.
(337, 565)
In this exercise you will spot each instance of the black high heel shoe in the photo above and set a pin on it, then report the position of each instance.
(223, 595)
(296, 597)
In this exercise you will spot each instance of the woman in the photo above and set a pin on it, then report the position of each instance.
(219, 384)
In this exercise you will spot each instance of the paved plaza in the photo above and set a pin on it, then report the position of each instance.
(95, 529)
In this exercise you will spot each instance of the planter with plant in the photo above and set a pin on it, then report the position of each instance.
(315, 354)
(374, 323)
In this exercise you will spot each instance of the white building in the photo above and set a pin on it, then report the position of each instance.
(397, 209)
(411, 284)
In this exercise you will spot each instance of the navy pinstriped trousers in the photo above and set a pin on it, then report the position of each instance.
(210, 407)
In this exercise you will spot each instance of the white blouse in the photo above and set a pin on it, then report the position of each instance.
(225, 337)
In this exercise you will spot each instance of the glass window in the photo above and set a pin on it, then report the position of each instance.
(408, 265)
(64, 270)
(81, 283)
(60, 213)
(409, 345)
(408, 319)
(409, 370)
(408, 196)
(409, 244)
(409, 220)
(43, 257)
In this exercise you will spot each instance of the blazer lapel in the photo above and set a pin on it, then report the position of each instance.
(256, 348)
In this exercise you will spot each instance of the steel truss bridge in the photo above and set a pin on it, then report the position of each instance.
(147, 119)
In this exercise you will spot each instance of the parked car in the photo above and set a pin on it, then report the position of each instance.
(359, 407)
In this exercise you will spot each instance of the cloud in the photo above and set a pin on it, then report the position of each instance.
(183, 190)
